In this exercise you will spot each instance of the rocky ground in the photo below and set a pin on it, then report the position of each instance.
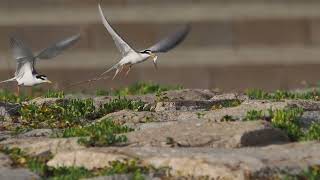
(188, 134)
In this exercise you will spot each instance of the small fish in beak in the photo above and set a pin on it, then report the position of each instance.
(154, 57)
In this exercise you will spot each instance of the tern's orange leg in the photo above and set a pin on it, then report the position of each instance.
(31, 91)
(18, 90)
(128, 70)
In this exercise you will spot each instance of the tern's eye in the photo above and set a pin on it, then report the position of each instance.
(42, 77)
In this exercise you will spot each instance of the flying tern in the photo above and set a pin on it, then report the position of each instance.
(26, 74)
(131, 56)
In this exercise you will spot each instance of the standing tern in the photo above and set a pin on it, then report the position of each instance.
(131, 56)
(26, 74)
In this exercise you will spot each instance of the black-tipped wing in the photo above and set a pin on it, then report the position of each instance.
(171, 41)
(58, 47)
(23, 56)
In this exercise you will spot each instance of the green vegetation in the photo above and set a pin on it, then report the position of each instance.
(60, 115)
(54, 94)
(8, 96)
(200, 114)
(313, 133)
(226, 104)
(281, 95)
(38, 165)
(103, 133)
(141, 88)
(11, 97)
(254, 115)
(101, 92)
(312, 173)
(288, 121)
(138, 88)
(120, 104)
(71, 113)
(133, 167)
(227, 118)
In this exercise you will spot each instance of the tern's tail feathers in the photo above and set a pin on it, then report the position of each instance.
(112, 68)
(9, 80)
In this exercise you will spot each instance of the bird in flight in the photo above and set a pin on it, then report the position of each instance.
(131, 56)
(26, 74)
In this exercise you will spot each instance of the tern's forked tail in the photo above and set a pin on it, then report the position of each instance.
(9, 80)
(112, 68)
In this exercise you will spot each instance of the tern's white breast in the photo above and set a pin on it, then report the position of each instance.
(25, 77)
(134, 58)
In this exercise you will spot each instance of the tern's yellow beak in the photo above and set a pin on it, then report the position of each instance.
(48, 81)
(153, 56)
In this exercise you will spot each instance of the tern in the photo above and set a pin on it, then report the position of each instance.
(26, 74)
(131, 56)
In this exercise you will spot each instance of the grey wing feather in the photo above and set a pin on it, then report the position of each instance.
(123, 47)
(23, 55)
(19, 49)
(58, 47)
(171, 41)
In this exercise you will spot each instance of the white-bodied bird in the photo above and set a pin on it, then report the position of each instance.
(26, 74)
(131, 56)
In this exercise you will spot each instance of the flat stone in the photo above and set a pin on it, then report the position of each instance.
(306, 105)
(17, 174)
(208, 134)
(40, 145)
(5, 161)
(37, 133)
(101, 157)
(9, 109)
(239, 112)
(5, 135)
(47, 101)
(124, 177)
(172, 95)
(218, 163)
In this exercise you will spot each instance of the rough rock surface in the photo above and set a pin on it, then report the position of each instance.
(37, 146)
(8, 173)
(8, 109)
(259, 162)
(141, 120)
(185, 130)
(37, 133)
(47, 101)
(17, 174)
(124, 177)
(4, 160)
(208, 134)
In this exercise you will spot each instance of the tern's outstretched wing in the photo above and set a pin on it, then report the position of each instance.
(23, 55)
(123, 47)
(58, 47)
(171, 41)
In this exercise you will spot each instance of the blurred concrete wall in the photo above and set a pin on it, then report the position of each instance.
(225, 33)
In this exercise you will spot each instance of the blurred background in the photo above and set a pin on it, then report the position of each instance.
(234, 44)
